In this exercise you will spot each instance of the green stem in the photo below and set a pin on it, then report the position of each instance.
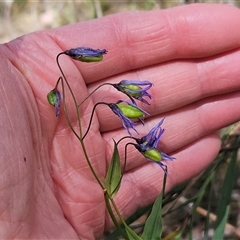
(79, 121)
(110, 211)
(72, 94)
(90, 122)
(94, 92)
(65, 109)
(117, 212)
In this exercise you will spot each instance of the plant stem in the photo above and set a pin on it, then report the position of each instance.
(104, 84)
(79, 121)
(72, 94)
(90, 122)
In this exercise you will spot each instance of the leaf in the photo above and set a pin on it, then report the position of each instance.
(131, 234)
(153, 225)
(114, 175)
(136, 215)
(199, 197)
(225, 198)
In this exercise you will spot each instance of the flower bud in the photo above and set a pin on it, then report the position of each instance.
(134, 89)
(147, 146)
(86, 54)
(54, 98)
(153, 154)
(130, 111)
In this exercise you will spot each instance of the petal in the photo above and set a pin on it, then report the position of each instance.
(166, 157)
(85, 51)
(135, 82)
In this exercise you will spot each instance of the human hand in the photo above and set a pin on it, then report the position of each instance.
(190, 53)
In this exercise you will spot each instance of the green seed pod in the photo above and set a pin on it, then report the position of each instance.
(90, 59)
(52, 97)
(153, 154)
(133, 88)
(130, 111)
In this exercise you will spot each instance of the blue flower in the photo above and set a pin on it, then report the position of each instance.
(127, 111)
(133, 89)
(54, 98)
(147, 145)
(86, 54)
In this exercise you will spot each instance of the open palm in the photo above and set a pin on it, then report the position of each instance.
(191, 55)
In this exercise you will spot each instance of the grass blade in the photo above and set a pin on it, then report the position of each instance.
(225, 198)
(153, 225)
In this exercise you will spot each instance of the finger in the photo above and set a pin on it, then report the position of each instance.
(141, 186)
(146, 42)
(183, 126)
(140, 39)
(176, 84)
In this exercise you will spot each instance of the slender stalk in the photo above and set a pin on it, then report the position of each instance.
(117, 212)
(124, 138)
(104, 84)
(90, 122)
(110, 211)
(79, 121)
(72, 94)
(164, 181)
(65, 109)
(106, 197)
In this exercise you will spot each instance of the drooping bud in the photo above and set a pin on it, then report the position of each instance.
(153, 154)
(54, 98)
(133, 89)
(127, 111)
(130, 111)
(147, 146)
(86, 54)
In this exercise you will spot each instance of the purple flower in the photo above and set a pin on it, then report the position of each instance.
(127, 111)
(54, 98)
(147, 145)
(86, 54)
(133, 89)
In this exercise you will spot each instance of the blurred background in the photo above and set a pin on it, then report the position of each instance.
(18, 17)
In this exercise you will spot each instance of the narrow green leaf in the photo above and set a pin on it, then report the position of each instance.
(131, 234)
(198, 200)
(153, 225)
(225, 198)
(136, 215)
(114, 174)
(209, 190)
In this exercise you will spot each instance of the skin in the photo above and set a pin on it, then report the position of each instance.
(191, 54)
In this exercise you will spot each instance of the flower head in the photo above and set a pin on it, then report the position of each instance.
(133, 89)
(147, 145)
(86, 54)
(54, 98)
(127, 111)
